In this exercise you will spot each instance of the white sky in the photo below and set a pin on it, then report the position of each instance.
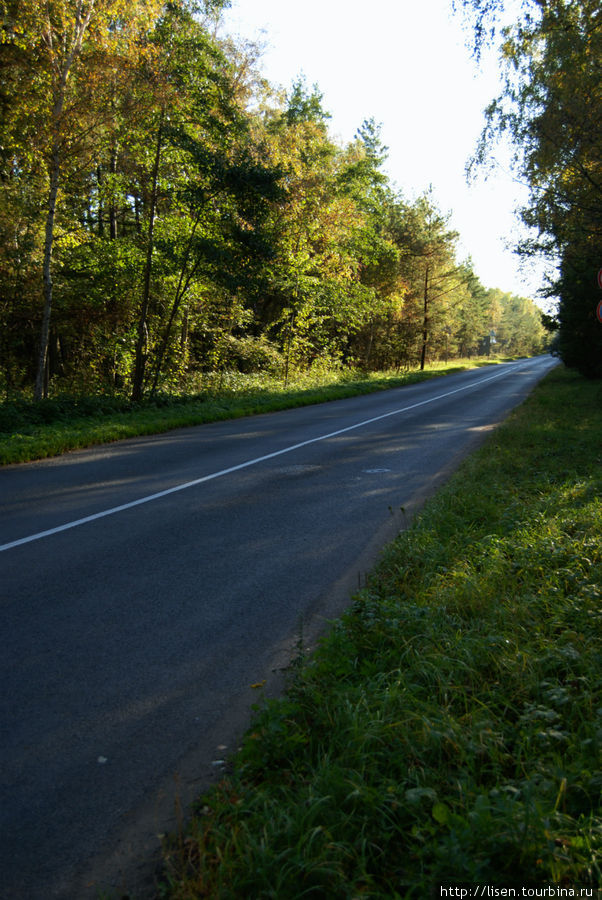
(406, 64)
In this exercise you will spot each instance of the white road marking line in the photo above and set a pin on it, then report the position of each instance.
(243, 465)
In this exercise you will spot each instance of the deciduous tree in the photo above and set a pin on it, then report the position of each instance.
(551, 107)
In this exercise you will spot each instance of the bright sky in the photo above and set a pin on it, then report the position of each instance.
(406, 64)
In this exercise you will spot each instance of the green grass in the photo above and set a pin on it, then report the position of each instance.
(31, 430)
(448, 730)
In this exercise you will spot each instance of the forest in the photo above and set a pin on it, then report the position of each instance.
(166, 215)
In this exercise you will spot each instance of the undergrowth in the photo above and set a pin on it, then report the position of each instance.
(30, 430)
(448, 730)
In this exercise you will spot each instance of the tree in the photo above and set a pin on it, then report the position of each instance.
(313, 295)
(437, 282)
(551, 107)
(213, 193)
(188, 218)
(473, 323)
(361, 178)
(56, 51)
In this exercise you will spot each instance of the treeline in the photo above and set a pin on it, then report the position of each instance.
(164, 213)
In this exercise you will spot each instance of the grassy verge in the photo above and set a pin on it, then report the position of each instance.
(31, 430)
(449, 728)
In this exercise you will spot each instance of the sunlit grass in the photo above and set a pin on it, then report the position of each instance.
(31, 430)
(449, 728)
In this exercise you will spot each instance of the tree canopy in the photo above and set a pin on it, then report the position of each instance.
(551, 107)
(165, 213)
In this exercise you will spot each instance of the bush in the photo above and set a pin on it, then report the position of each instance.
(253, 354)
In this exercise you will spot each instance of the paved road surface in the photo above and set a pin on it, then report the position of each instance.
(131, 639)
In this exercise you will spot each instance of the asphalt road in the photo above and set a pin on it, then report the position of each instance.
(131, 639)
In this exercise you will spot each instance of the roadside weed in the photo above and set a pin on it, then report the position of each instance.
(448, 729)
(30, 430)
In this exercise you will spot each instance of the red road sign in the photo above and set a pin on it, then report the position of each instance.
(599, 311)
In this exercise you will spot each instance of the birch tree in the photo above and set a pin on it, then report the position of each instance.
(551, 107)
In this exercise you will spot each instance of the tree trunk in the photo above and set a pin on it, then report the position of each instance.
(41, 386)
(183, 283)
(82, 21)
(112, 209)
(369, 348)
(141, 343)
(101, 223)
(425, 320)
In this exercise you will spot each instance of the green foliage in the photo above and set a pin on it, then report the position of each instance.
(304, 105)
(551, 57)
(198, 215)
(579, 340)
(237, 385)
(447, 730)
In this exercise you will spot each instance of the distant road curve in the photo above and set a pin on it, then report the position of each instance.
(146, 585)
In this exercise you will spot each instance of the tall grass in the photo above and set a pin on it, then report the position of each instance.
(30, 430)
(448, 730)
